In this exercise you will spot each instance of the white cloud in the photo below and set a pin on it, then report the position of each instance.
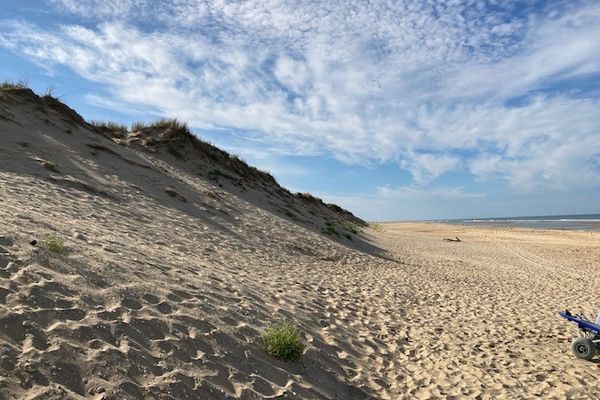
(90, 8)
(417, 193)
(552, 50)
(426, 167)
(425, 84)
(291, 73)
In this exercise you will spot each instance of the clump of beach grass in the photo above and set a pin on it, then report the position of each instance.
(8, 85)
(282, 340)
(162, 124)
(115, 129)
(53, 243)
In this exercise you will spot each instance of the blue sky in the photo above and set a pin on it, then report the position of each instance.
(395, 110)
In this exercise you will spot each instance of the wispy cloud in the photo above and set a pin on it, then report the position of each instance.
(99, 8)
(418, 193)
(426, 167)
(441, 87)
(411, 202)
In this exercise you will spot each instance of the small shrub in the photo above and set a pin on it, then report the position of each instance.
(282, 340)
(53, 243)
(348, 236)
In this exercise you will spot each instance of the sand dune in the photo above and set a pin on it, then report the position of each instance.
(169, 277)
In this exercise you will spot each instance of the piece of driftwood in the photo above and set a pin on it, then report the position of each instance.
(456, 239)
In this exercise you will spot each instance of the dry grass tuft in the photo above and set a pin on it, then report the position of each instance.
(112, 128)
(8, 85)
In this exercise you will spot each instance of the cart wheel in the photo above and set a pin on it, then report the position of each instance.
(583, 348)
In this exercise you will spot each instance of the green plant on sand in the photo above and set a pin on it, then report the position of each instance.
(53, 243)
(282, 340)
(329, 229)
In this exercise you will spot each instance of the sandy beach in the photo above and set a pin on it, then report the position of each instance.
(168, 279)
(484, 322)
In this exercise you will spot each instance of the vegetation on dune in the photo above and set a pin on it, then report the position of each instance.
(110, 129)
(215, 174)
(310, 199)
(109, 126)
(174, 132)
(8, 85)
(291, 215)
(329, 229)
(170, 131)
(53, 243)
(282, 340)
(49, 95)
(162, 124)
(353, 227)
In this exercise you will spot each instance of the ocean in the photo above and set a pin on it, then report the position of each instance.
(585, 222)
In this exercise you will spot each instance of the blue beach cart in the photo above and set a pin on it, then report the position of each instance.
(588, 343)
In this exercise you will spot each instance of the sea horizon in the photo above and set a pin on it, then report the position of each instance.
(583, 222)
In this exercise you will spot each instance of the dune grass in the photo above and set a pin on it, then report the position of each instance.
(282, 340)
(114, 129)
(109, 126)
(8, 85)
(162, 124)
(49, 95)
(53, 243)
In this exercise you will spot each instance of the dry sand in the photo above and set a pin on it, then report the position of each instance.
(160, 298)
(483, 323)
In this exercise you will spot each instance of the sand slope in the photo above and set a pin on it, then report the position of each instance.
(168, 281)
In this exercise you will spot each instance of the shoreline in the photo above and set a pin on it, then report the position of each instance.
(493, 226)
